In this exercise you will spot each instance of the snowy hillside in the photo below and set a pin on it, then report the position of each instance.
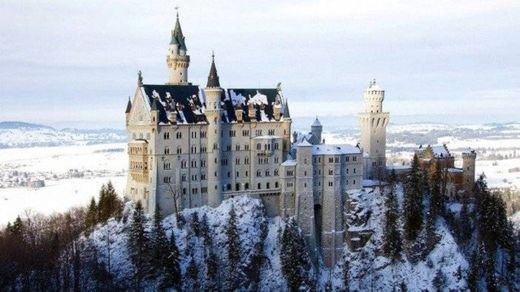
(367, 268)
(371, 271)
(19, 134)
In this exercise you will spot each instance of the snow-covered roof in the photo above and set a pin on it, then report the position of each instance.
(439, 151)
(324, 149)
(289, 163)
(304, 143)
(267, 137)
(373, 86)
(316, 123)
(188, 101)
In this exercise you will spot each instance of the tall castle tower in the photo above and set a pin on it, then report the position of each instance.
(305, 216)
(178, 61)
(373, 123)
(213, 93)
(468, 166)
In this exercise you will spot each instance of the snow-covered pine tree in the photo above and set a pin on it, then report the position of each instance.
(195, 224)
(165, 261)
(392, 236)
(412, 207)
(295, 258)
(204, 231)
(139, 246)
(233, 273)
(171, 267)
(439, 280)
(212, 279)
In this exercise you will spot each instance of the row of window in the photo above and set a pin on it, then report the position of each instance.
(203, 149)
(203, 134)
(335, 159)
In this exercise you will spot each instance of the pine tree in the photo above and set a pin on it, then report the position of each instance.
(465, 226)
(345, 274)
(205, 233)
(165, 259)
(294, 258)
(439, 280)
(195, 224)
(233, 252)
(412, 207)
(192, 271)
(102, 202)
(392, 236)
(91, 216)
(172, 269)
(139, 246)
(109, 203)
(212, 271)
(437, 202)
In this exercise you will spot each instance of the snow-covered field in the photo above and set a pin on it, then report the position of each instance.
(72, 175)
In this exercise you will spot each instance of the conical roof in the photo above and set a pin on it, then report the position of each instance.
(213, 79)
(128, 106)
(177, 36)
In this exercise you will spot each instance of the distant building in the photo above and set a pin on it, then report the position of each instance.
(190, 146)
(459, 181)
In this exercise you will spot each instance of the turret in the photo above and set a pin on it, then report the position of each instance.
(316, 130)
(177, 60)
(374, 97)
(468, 165)
(213, 93)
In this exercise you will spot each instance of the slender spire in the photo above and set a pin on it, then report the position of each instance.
(286, 113)
(177, 35)
(213, 80)
(128, 106)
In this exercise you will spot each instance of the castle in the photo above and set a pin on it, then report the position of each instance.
(190, 146)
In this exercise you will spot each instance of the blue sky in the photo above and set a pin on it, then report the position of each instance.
(68, 62)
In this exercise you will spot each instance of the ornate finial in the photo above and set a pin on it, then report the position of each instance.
(374, 81)
(213, 55)
(140, 78)
(177, 9)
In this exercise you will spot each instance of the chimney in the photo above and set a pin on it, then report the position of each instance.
(239, 112)
(251, 112)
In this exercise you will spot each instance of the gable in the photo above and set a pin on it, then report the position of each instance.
(140, 112)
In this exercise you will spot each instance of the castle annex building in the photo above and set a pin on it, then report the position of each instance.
(190, 146)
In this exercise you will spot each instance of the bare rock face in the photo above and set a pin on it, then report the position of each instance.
(357, 217)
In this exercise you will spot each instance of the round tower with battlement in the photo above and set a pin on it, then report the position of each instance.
(373, 122)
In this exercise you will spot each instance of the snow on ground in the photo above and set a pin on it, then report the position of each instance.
(93, 166)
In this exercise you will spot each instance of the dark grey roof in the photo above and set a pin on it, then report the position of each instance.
(128, 106)
(177, 36)
(179, 98)
(213, 80)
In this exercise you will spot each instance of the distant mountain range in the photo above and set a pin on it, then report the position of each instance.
(15, 134)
